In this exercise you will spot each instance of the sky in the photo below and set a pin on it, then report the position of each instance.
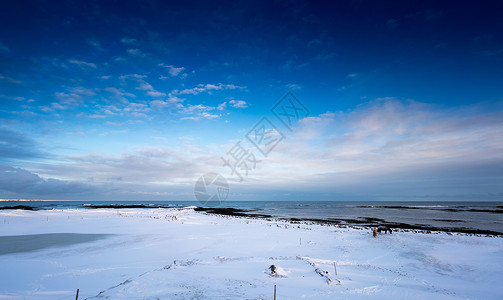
(286, 100)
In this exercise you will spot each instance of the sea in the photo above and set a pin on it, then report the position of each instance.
(467, 217)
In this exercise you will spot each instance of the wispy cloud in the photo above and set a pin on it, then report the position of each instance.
(132, 76)
(201, 88)
(393, 23)
(174, 71)
(290, 65)
(82, 64)
(169, 102)
(96, 44)
(155, 94)
(133, 109)
(4, 47)
(135, 52)
(293, 86)
(10, 79)
(128, 41)
(145, 86)
(119, 94)
(74, 97)
(18, 98)
(492, 52)
(197, 112)
(325, 56)
(154, 165)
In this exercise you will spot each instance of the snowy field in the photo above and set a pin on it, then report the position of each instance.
(183, 254)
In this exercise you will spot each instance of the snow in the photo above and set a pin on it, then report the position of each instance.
(183, 254)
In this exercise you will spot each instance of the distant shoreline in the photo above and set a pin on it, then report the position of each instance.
(365, 222)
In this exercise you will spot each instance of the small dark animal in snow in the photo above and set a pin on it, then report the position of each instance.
(384, 228)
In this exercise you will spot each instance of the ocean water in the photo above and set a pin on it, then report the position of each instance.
(448, 216)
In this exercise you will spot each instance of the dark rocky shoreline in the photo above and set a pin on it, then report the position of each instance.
(498, 211)
(361, 222)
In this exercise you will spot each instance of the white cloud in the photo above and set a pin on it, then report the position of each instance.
(293, 86)
(172, 101)
(352, 75)
(173, 71)
(156, 94)
(119, 94)
(119, 124)
(238, 103)
(392, 146)
(111, 110)
(137, 107)
(208, 115)
(200, 111)
(132, 76)
(197, 112)
(73, 98)
(383, 147)
(200, 88)
(159, 104)
(190, 108)
(139, 168)
(133, 109)
(97, 116)
(190, 118)
(18, 98)
(82, 64)
(24, 113)
(82, 91)
(145, 86)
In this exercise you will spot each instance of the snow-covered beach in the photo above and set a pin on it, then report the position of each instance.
(185, 254)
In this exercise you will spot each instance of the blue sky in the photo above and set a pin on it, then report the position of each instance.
(135, 100)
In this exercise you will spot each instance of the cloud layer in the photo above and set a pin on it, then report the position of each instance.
(382, 148)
